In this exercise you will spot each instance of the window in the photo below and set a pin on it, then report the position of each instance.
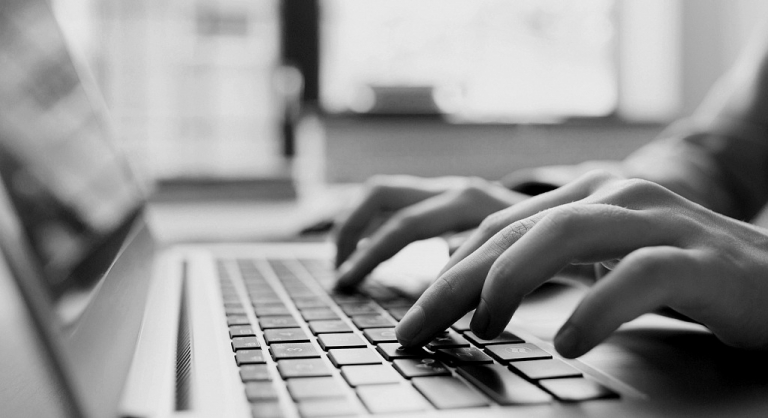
(189, 85)
(472, 59)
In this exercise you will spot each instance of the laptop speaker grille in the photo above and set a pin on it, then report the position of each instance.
(183, 350)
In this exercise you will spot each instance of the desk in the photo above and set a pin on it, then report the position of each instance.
(246, 220)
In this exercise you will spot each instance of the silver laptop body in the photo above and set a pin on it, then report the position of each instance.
(98, 320)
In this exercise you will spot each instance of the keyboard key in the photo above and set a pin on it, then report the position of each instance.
(327, 408)
(375, 374)
(367, 308)
(293, 350)
(344, 298)
(463, 324)
(231, 298)
(313, 367)
(377, 291)
(448, 392)
(351, 356)
(344, 340)
(268, 304)
(577, 389)
(300, 292)
(503, 386)
(398, 313)
(380, 335)
(233, 309)
(515, 352)
(392, 351)
(294, 284)
(271, 310)
(448, 339)
(315, 314)
(464, 355)
(373, 321)
(314, 387)
(544, 369)
(245, 343)
(260, 391)
(266, 410)
(285, 335)
(237, 320)
(259, 288)
(258, 299)
(420, 367)
(506, 337)
(387, 399)
(249, 357)
(396, 303)
(228, 291)
(309, 302)
(253, 372)
(268, 322)
(241, 331)
(327, 327)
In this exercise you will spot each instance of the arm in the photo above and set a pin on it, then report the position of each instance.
(668, 246)
(719, 157)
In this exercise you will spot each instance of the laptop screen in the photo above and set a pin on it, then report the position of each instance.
(69, 185)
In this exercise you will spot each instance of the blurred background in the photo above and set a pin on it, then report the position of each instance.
(257, 94)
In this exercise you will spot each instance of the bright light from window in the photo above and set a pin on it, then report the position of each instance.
(482, 60)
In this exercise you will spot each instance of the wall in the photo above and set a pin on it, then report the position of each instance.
(356, 149)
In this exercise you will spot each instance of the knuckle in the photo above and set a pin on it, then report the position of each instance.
(475, 188)
(563, 220)
(516, 230)
(444, 288)
(492, 224)
(377, 184)
(598, 177)
(634, 192)
(640, 187)
(655, 266)
(378, 180)
(648, 260)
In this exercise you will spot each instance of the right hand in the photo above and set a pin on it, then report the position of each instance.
(417, 208)
(672, 254)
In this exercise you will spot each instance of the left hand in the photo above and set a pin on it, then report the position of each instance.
(671, 251)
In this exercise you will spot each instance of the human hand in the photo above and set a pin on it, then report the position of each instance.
(665, 251)
(417, 208)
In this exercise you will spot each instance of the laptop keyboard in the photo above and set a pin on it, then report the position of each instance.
(337, 355)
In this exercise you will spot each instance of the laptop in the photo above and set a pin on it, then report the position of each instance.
(99, 320)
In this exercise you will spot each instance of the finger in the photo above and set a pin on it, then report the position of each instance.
(455, 292)
(429, 218)
(575, 233)
(577, 190)
(646, 280)
(378, 199)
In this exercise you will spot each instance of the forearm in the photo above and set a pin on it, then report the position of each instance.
(721, 166)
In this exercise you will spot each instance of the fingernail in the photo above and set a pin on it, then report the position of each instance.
(410, 326)
(567, 341)
(480, 320)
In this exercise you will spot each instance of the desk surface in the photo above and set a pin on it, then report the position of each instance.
(246, 220)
